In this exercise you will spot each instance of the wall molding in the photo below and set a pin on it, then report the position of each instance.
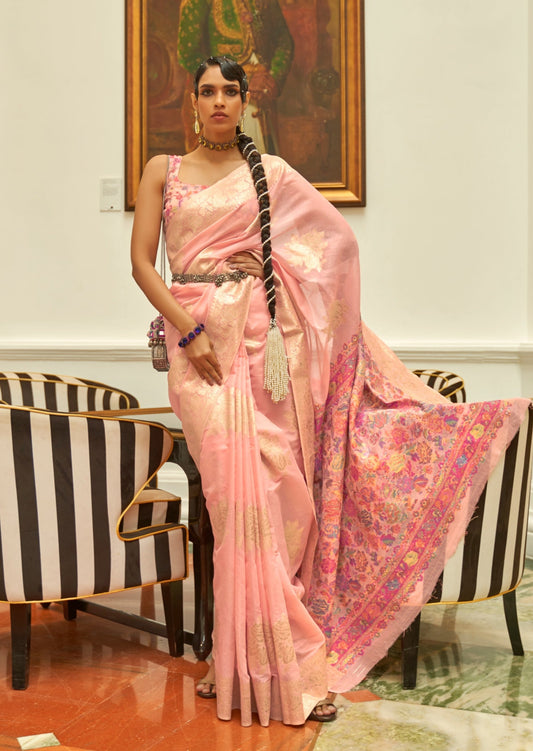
(512, 353)
(473, 352)
(75, 351)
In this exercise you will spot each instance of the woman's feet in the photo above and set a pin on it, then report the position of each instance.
(325, 710)
(206, 689)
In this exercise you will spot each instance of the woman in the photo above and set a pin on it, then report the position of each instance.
(335, 496)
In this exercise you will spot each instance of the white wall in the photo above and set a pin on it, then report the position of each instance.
(447, 191)
(69, 293)
(445, 239)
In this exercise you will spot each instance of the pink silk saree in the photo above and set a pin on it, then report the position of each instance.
(333, 511)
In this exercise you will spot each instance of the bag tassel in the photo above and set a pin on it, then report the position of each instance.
(276, 364)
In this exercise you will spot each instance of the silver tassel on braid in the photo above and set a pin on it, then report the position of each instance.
(276, 365)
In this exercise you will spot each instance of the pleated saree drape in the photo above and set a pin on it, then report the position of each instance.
(334, 510)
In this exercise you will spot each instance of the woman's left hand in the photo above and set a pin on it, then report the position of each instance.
(245, 261)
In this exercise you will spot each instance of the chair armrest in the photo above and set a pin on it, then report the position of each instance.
(153, 507)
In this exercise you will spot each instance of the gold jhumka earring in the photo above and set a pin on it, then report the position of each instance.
(241, 123)
(196, 122)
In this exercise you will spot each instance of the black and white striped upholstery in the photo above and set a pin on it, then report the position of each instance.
(491, 557)
(61, 393)
(75, 517)
(447, 384)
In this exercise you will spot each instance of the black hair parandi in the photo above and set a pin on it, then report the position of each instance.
(249, 151)
(276, 366)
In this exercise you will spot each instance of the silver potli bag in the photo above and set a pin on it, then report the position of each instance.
(158, 345)
(156, 332)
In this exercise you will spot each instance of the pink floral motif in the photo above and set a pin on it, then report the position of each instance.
(398, 501)
(176, 191)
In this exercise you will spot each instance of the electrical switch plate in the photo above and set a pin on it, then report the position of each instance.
(110, 194)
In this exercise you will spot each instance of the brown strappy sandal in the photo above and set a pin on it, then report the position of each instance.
(323, 717)
(207, 680)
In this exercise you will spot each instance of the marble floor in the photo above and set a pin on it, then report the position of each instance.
(98, 686)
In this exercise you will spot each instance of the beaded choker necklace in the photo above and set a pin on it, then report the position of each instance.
(217, 146)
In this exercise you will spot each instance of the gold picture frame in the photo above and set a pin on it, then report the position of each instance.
(320, 123)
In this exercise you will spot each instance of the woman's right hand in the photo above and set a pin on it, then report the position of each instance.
(144, 243)
(202, 356)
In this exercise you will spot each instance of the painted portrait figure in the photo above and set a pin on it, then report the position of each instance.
(304, 61)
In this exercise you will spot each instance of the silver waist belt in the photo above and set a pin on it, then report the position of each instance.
(216, 279)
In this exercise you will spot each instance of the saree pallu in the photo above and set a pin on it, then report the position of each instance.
(333, 511)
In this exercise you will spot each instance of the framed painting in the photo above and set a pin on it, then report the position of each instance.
(307, 56)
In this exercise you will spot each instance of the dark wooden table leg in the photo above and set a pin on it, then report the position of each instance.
(201, 536)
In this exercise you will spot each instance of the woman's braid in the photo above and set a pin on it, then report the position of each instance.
(276, 365)
(253, 157)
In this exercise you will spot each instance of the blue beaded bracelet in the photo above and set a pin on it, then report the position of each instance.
(191, 335)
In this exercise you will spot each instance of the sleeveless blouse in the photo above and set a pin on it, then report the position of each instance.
(176, 191)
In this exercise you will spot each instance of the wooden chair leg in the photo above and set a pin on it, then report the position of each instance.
(202, 539)
(173, 604)
(20, 644)
(511, 618)
(69, 610)
(410, 640)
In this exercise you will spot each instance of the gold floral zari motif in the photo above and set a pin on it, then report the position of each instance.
(269, 643)
(253, 529)
(308, 250)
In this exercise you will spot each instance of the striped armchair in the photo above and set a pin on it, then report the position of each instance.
(490, 559)
(76, 519)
